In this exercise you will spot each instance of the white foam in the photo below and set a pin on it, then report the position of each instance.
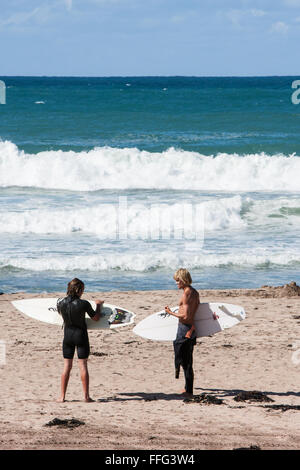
(143, 262)
(149, 221)
(138, 220)
(277, 212)
(128, 168)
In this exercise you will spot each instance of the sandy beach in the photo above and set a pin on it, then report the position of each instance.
(133, 384)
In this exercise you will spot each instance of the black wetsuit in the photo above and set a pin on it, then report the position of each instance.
(73, 310)
(183, 349)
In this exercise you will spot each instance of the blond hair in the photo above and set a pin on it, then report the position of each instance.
(184, 276)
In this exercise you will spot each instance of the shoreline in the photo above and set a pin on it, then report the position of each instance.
(133, 384)
(287, 290)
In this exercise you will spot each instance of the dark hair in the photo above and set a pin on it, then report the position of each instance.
(75, 287)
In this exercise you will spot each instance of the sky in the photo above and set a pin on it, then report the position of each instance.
(149, 37)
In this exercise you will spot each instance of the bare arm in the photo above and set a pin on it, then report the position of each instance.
(98, 315)
(188, 305)
(184, 313)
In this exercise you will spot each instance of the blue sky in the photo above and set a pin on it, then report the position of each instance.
(149, 37)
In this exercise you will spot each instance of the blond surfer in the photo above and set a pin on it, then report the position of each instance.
(186, 335)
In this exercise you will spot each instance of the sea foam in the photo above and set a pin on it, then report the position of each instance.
(150, 221)
(131, 168)
(188, 220)
(145, 262)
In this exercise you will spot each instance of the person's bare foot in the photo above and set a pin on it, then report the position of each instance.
(60, 400)
(89, 400)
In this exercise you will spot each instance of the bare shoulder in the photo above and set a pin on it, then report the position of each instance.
(188, 294)
(191, 292)
(192, 296)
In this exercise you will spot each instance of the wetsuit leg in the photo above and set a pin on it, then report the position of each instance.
(76, 338)
(68, 344)
(83, 346)
(187, 365)
(183, 349)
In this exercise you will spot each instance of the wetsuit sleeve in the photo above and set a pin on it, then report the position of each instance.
(59, 305)
(89, 309)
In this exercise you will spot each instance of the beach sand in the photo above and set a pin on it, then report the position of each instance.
(133, 384)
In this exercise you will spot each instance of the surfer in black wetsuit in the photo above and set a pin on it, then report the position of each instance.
(73, 310)
(186, 335)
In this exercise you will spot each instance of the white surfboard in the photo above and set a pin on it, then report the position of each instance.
(45, 310)
(210, 318)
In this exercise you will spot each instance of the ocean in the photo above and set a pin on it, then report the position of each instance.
(120, 181)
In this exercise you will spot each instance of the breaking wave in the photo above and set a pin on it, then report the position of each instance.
(131, 168)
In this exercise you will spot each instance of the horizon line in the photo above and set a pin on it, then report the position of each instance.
(149, 76)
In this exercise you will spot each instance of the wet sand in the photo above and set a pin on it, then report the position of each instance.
(133, 383)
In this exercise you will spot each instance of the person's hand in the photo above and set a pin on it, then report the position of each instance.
(168, 310)
(99, 302)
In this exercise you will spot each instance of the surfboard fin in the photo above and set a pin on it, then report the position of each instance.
(239, 316)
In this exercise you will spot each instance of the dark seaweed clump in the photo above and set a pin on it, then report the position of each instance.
(252, 396)
(66, 423)
(283, 407)
(248, 448)
(204, 398)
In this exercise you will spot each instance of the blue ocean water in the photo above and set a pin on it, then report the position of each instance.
(120, 181)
